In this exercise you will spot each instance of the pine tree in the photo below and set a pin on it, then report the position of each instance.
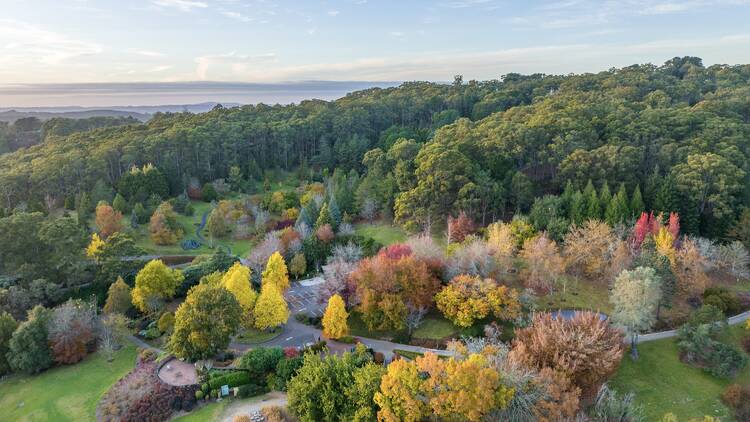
(120, 204)
(335, 317)
(666, 197)
(618, 209)
(271, 309)
(605, 196)
(591, 202)
(335, 213)
(636, 203)
(276, 272)
(566, 198)
(118, 298)
(324, 217)
(577, 212)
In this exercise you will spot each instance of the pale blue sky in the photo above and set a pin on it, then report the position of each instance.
(73, 41)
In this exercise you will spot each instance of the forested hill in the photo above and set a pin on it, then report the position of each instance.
(679, 132)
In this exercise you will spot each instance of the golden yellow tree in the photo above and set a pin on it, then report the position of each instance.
(334, 319)
(155, 283)
(271, 309)
(95, 246)
(276, 272)
(399, 395)
(469, 298)
(237, 281)
(664, 242)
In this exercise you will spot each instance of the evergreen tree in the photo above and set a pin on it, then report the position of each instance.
(577, 213)
(591, 202)
(335, 212)
(85, 207)
(618, 209)
(651, 188)
(118, 297)
(605, 197)
(7, 326)
(567, 197)
(29, 350)
(120, 204)
(324, 217)
(666, 197)
(636, 203)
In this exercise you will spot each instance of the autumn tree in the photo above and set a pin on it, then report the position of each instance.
(690, 269)
(585, 348)
(298, 265)
(154, 284)
(635, 297)
(205, 322)
(72, 331)
(459, 227)
(237, 281)
(449, 389)
(107, 220)
(334, 318)
(467, 299)
(543, 264)
(164, 227)
(276, 272)
(95, 246)
(271, 309)
(386, 287)
(587, 248)
(118, 298)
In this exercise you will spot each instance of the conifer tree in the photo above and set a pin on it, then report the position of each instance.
(636, 203)
(118, 297)
(567, 197)
(618, 208)
(334, 212)
(605, 197)
(335, 317)
(577, 213)
(324, 217)
(591, 202)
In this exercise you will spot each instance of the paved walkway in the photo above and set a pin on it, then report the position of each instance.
(248, 407)
(737, 319)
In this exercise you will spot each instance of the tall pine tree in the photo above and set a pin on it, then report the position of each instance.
(591, 202)
(636, 203)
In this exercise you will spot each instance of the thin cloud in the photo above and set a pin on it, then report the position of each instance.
(148, 53)
(183, 5)
(237, 16)
(26, 44)
(333, 13)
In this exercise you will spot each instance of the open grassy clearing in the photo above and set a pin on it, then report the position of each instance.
(254, 336)
(579, 294)
(384, 233)
(66, 393)
(663, 384)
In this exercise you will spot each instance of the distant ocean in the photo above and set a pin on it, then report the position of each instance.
(62, 97)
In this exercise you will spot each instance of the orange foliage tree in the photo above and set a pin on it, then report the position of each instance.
(107, 220)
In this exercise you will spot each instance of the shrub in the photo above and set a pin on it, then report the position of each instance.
(233, 379)
(199, 395)
(722, 299)
(707, 314)
(261, 361)
(291, 352)
(378, 358)
(732, 395)
(285, 370)
(347, 340)
(166, 322)
(251, 390)
(275, 414)
(700, 349)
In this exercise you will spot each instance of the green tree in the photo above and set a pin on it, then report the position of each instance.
(8, 325)
(605, 197)
(711, 182)
(636, 203)
(29, 350)
(205, 322)
(618, 209)
(324, 217)
(522, 191)
(120, 204)
(635, 298)
(577, 209)
(591, 207)
(154, 284)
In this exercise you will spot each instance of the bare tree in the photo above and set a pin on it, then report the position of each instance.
(415, 317)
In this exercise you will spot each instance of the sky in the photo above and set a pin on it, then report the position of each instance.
(114, 42)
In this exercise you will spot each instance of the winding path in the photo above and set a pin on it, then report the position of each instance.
(737, 319)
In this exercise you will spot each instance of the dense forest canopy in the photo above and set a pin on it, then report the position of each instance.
(678, 133)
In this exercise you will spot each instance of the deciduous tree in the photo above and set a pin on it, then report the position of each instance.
(118, 298)
(155, 283)
(271, 309)
(468, 299)
(334, 318)
(635, 296)
(237, 281)
(276, 272)
(107, 220)
(543, 264)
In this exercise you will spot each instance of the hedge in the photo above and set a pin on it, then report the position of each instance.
(234, 379)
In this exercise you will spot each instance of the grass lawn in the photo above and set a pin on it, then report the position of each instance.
(381, 232)
(253, 336)
(579, 294)
(435, 327)
(210, 412)
(357, 327)
(663, 384)
(66, 393)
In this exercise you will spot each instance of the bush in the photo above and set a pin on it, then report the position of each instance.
(347, 340)
(700, 349)
(166, 322)
(232, 379)
(291, 352)
(251, 390)
(285, 370)
(707, 314)
(378, 358)
(262, 360)
(722, 299)
(241, 418)
(275, 414)
(205, 388)
(315, 348)
(732, 395)
(199, 395)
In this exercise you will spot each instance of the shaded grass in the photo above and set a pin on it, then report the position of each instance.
(383, 233)
(253, 336)
(66, 393)
(435, 327)
(579, 294)
(663, 384)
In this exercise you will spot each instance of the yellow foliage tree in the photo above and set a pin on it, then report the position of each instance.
(470, 298)
(334, 319)
(153, 284)
(118, 298)
(95, 246)
(271, 309)
(664, 242)
(453, 389)
(237, 281)
(276, 272)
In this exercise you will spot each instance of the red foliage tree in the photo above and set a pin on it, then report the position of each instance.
(396, 251)
(646, 225)
(107, 220)
(674, 225)
(459, 227)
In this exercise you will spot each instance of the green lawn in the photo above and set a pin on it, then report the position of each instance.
(357, 327)
(253, 336)
(210, 412)
(664, 384)
(66, 393)
(435, 327)
(384, 233)
(579, 294)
